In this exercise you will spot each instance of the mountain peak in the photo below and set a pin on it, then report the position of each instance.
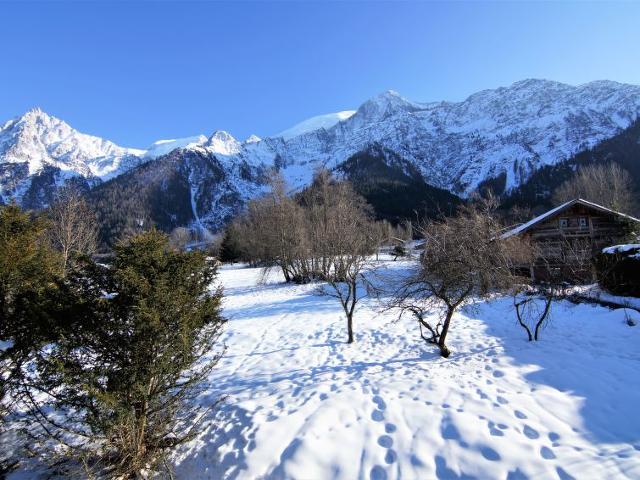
(223, 143)
(536, 83)
(35, 111)
(222, 135)
(36, 114)
(252, 139)
(390, 97)
(385, 105)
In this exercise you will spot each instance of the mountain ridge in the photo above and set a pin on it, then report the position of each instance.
(496, 136)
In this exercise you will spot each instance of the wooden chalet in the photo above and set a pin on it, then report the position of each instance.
(569, 235)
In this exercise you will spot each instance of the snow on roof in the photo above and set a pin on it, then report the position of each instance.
(525, 226)
(621, 248)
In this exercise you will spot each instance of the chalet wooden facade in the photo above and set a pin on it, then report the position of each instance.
(569, 235)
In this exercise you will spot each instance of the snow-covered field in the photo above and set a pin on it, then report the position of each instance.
(303, 404)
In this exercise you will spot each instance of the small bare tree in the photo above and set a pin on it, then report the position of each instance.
(533, 301)
(533, 307)
(464, 256)
(73, 226)
(609, 185)
(348, 242)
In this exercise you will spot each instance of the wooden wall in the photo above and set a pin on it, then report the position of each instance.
(568, 247)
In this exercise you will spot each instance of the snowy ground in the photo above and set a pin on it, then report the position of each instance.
(303, 404)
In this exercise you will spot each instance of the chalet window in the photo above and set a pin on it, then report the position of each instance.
(564, 222)
(583, 222)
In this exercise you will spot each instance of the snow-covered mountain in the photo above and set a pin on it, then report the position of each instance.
(503, 135)
(507, 132)
(37, 145)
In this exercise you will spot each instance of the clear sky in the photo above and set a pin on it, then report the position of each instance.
(137, 72)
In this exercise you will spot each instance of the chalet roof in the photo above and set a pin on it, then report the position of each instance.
(578, 201)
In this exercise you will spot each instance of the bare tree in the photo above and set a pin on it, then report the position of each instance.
(609, 185)
(464, 256)
(73, 226)
(533, 308)
(344, 239)
(323, 234)
(180, 237)
(274, 233)
(559, 263)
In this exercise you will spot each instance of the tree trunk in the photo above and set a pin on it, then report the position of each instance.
(521, 322)
(285, 272)
(545, 313)
(444, 350)
(353, 296)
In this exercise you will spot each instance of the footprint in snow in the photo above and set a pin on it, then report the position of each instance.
(379, 402)
(390, 457)
(547, 453)
(516, 475)
(490, 454)
(495, 432)
(448, 430)
(483, 395)
(563, 474)
(531, 433)
(385, 441)
(378, 473)
(377, 416)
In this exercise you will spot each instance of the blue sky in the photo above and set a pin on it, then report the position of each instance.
(137, 72)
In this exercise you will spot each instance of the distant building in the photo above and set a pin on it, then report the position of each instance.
(569, 235)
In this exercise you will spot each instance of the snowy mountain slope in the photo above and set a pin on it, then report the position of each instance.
(162, 147)
(315, 123)
(185, 187)
(503, 135)
(37, 143)
(457, 145)
(506, 133)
